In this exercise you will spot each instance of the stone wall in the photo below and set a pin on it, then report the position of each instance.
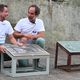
(61, 20)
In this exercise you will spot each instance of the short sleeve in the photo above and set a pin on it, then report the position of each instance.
(10, 29)
(18, 26)
(40, 26)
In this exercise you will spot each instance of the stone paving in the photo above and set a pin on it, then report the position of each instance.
(55, 74)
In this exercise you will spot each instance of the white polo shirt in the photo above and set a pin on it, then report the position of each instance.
(25, 26)
(5, 29)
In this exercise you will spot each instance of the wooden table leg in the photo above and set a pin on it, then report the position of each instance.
(69, 62)
(2, 62)
(56, 55)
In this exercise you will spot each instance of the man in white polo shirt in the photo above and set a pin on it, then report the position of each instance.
(31, 29)
(5, 30)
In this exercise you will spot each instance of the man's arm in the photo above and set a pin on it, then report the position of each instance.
(40, 34)
(13, 40)
(29, 36)
(2, 49)
(18, 34)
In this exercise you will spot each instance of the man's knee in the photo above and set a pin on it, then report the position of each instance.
(40, 42)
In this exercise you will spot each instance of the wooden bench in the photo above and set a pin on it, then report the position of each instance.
(71, 48)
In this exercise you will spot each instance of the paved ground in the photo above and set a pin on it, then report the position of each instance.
(55, 74)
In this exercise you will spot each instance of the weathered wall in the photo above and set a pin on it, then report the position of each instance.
(61, 20)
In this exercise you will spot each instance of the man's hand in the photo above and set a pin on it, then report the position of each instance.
(28, 36)
(23, 40)
(31, 36)
(20, 44)
(2, 48)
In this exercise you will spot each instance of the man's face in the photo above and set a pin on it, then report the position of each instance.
(4, 13)
(31, 14)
